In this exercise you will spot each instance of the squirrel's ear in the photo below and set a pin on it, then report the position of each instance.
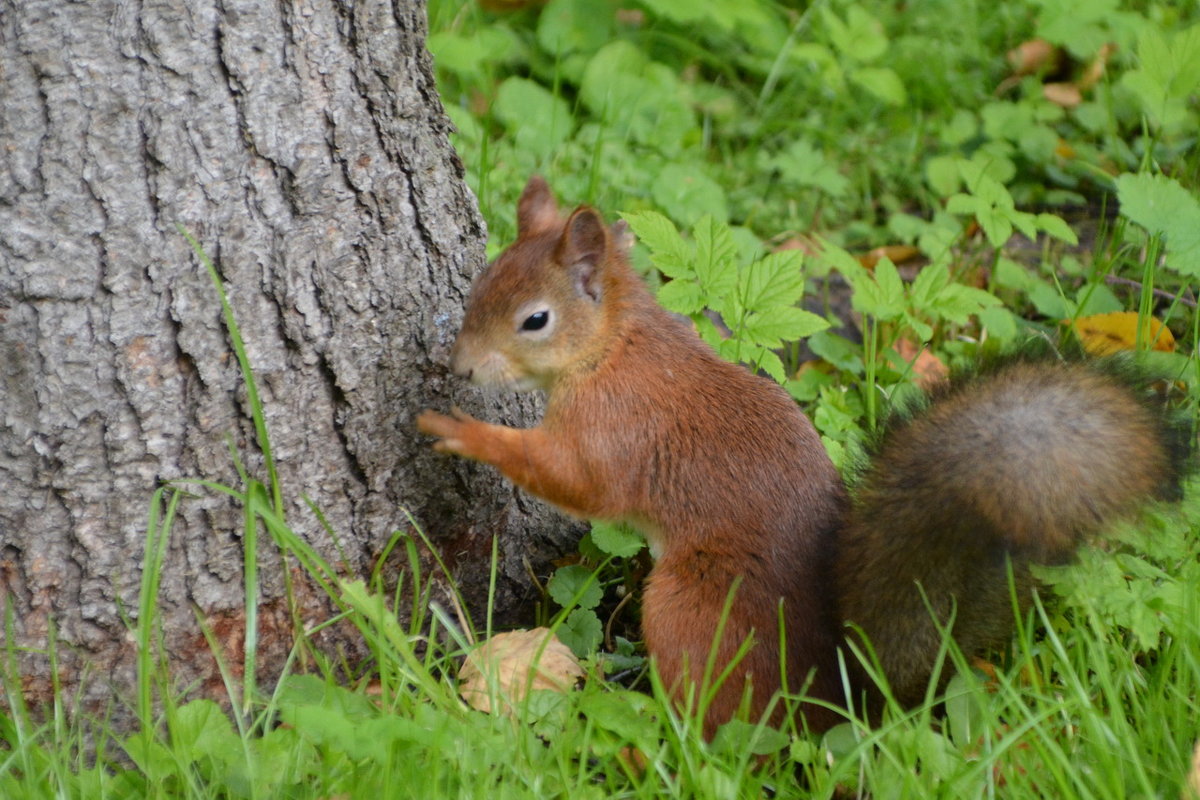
(537, 212)
(582, 250)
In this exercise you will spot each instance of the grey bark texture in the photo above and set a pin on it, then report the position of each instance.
(304, 145)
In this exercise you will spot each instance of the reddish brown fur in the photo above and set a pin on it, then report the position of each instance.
(732, 486)
(1014, 467)
(646, 424)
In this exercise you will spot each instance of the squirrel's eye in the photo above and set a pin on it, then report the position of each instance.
(536, 321)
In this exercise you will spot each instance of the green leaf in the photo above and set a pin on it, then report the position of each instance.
(1167, 75)
(669, 253)
(575, 580)
(775, 280)
(1057, 227)
(569, 26)
(738, 737)
(891, 287)
(804, 165)
(617, 539)
(715, 267)
(860, 37)
(688, 194)
(538, 120)
(777, 325)
(957, 303)
(581, 631)
(682, 296)
(1161, 205)
(636, 97)
(201, 728)
(929, 281)
(942, 175)
(882, 82)
(1000, 323)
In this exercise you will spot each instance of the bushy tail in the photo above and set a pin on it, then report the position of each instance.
(1018, 463)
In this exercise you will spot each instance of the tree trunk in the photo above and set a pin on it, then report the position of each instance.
(303, 144)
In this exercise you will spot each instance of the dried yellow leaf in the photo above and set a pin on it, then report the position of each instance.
(509, 665)
(1192, 790)
(1103, 334)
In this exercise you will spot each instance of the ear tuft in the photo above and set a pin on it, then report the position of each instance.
(537, 211)
(583, 249)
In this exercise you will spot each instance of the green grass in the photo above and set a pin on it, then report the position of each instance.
(743, 124)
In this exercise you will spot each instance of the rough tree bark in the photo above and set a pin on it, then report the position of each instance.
(304, 145)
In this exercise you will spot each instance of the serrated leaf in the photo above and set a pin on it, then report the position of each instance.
(669, 253)
(996, 226)
(890, 284)
(681, 296)
(715, 267)
(769, 362)
(957, 303)
(776, 280)
(774, 326)
(569, 581)
(929, 281)
(616, 539)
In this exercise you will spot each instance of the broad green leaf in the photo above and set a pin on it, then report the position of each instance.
(860, 37)
(535, 117)
(200, 729)
(738, 736)
(569, 581)
(942, 174)
(581, 631)
(569, 26)
(616, 539)
(687, 194)
(1161, 205)
(775, 280)
(882, 82)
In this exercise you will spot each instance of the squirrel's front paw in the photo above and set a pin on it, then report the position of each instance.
(450, 430)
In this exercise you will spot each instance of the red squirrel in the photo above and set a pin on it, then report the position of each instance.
(734, 491)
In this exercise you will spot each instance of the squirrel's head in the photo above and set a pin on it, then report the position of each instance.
(538, 311)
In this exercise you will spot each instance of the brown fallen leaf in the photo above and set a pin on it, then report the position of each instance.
(896, 253)
(1103, 334)
(1095, 70)
(928, 368)
(1066, 95)
(1191, 791)
(509, 665)
(1035, 55)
